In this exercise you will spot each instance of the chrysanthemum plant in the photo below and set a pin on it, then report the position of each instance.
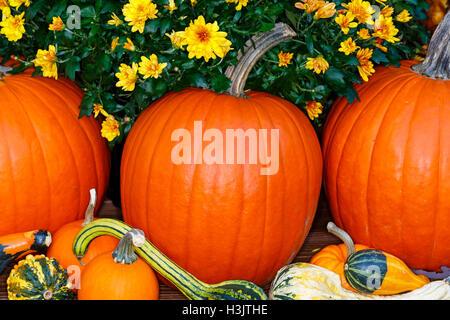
(126, 54)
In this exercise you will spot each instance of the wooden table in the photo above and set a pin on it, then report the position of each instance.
(317, 238)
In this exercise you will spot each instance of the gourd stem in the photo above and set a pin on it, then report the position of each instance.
(4, 71)
(437, 61)
(344, 236)
(89, 214)
(48, 295)
(255, 49)
(124, 252)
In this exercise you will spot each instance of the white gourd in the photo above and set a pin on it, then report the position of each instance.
(305, 281)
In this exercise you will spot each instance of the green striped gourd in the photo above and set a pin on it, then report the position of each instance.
(188, 284)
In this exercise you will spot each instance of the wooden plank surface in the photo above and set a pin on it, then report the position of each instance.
(317, 238)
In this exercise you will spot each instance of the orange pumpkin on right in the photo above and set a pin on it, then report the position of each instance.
(387, 159)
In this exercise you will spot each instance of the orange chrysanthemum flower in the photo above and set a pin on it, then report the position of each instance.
(310, 5)
(314, 109)
(284, 58)
(326, 11)
(318, 65)
(365, 67)
(57, 24)
(384, 29)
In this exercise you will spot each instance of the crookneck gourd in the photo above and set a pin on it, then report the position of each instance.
(39, 278)
(372, 271)
(189, 285)
(14, 246)
(305, 281)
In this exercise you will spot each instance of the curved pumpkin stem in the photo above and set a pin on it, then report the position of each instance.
(437, 62)
(255, 49)
(125, 250)
(4, 71)
(89, 214)
(344, 236)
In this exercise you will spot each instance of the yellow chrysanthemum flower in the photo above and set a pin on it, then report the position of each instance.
(318, 65)
(384, 29)
(17, 3)
(171, 6)
(327, 10)
(314, 109)
(348, 46)
(204, 40)
(176, 37)
(403, 16)
(309, 5)
(4, 8)
(239, 3)
(364, 34)
(57, 24)
(284, 58)
(13, 27)
(345, 21)
(151, 67)
(362, 10)
(387, 11)
(110, 128)
(129, 45)
(127, 76)
(193, 2)
(115, 20)
(46, 59)
(365, 67)
(137, 12)
(99, 109)
(114, 44)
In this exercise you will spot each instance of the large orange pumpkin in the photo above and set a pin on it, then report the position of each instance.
(49, 159)
(223, 221)
(387, 159)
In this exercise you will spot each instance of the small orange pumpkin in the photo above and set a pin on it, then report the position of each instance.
(61, 247)
(121, 275)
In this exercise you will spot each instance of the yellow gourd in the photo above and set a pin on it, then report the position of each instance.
(305, 281)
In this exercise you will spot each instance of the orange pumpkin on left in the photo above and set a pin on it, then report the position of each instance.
(49, 159)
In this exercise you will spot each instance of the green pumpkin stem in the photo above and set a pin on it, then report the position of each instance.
(344, 236)
(437, 61)
(124, 252)
(254, 50)
(89, 214)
